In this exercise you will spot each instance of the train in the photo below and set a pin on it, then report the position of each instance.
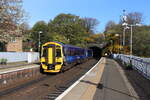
(56, 56)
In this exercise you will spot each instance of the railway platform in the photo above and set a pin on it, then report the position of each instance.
(105, 81)
(17, 68)
(12, 74)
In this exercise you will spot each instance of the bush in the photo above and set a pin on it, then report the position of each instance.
(3, 61)
(129, 66)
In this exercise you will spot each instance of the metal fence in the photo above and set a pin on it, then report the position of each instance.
(20, 56)
(142, 65)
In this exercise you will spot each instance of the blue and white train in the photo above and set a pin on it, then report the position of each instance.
(55, 56)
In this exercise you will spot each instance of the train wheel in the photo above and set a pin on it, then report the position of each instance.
(41, 70)
(62, 70)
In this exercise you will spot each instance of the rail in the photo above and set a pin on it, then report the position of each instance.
(142, 65)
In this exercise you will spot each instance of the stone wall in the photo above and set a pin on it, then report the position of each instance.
(15, 45)
(12, 77)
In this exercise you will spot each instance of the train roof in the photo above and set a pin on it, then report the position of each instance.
(68, 45)
(71, 46)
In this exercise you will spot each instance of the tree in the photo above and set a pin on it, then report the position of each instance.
(113, 28)
(65, 28)
(135, 18)
(141, 41)
(69, 26)
(141, 36)
(25, 30)
(59, 38)
(90, 24)
(109, 25)
(11, 15)
(95, 38)
(24, 27)
(39, 26)
(113, 32)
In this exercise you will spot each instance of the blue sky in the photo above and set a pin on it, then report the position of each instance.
(102, 10)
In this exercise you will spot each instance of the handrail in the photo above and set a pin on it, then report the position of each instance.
(137, 63)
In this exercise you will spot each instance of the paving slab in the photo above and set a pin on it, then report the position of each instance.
(113, 86)
(103, 82)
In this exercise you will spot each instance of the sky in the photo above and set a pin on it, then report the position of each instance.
(102, 10)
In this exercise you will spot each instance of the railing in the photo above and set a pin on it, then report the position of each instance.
(142, 65)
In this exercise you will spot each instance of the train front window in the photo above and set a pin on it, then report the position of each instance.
(58, 53)
(44, 52)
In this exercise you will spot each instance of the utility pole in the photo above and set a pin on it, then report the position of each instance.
(124, 30)
(131, 40)
(125, 26)
(40, 32)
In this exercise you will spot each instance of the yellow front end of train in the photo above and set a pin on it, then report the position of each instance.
(51, 57)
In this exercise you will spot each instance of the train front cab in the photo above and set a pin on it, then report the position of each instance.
(51, 57)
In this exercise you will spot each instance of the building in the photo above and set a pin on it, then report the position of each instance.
(14, 45)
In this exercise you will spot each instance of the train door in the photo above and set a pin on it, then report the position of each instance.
(58, 56)
(59, 59)
(51, 54)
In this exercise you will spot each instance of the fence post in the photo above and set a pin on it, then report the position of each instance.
(146, 70)
(30, 57)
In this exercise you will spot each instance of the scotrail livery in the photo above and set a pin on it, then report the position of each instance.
(56, 56)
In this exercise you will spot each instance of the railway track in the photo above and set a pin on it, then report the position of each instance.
(61, 88)
(47, 87)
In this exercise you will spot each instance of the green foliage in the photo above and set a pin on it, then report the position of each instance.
(3, 61)
(95, 38)
(39, 26)
(129, 66)
(141, 39)
(70, 26)
(59, 38)
(65, 28)
(90, 24)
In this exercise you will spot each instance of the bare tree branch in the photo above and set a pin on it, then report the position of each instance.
(11, 15)
(90, 24)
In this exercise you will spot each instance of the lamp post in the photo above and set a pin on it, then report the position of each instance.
(40, 32)
(131, 40)
(117, 35)
(125, 26)
(124, 30)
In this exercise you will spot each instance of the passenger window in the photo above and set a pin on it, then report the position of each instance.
(58, 53)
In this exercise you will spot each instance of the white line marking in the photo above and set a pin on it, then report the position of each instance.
(73, 85)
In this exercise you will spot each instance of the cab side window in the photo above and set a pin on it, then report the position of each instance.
(58, 53)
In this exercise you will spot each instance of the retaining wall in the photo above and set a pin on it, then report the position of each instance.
(15, 76)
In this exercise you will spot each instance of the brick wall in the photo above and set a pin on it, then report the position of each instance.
(15, 45)
(16, 76)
